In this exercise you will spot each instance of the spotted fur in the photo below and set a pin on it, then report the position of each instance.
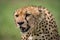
(39, 20)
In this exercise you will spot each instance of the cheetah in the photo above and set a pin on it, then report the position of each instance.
(36, 23)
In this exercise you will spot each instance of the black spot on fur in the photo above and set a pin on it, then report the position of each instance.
(51, 37)
(45, 26)
(48, 17)
(43, 39)
(49, 28)
(48, 12)
(37, 34)
(51, 33)
(42, 36)
(46, 29)
(46, 23)
(40, 10)
(36, 39)
(48, 35)
(40, 33)
(39, 39)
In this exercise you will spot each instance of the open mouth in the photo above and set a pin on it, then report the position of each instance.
(23, 29)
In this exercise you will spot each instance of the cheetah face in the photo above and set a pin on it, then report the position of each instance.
(22, 22)
(25, 18)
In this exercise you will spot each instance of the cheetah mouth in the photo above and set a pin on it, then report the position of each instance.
(23, 29)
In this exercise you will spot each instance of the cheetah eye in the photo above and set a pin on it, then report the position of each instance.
(28, 15)
(16, 15)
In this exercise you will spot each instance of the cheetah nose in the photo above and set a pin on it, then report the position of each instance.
(20, 23)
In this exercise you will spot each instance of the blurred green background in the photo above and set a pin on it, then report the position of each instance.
(8, 30)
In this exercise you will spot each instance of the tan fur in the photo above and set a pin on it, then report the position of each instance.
(41, 21)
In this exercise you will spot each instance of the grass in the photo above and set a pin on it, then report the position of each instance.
(8, 30)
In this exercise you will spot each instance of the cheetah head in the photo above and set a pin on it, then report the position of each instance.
(27, 18)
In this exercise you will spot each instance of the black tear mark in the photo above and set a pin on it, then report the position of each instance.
(26, 19)
(27, 14)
